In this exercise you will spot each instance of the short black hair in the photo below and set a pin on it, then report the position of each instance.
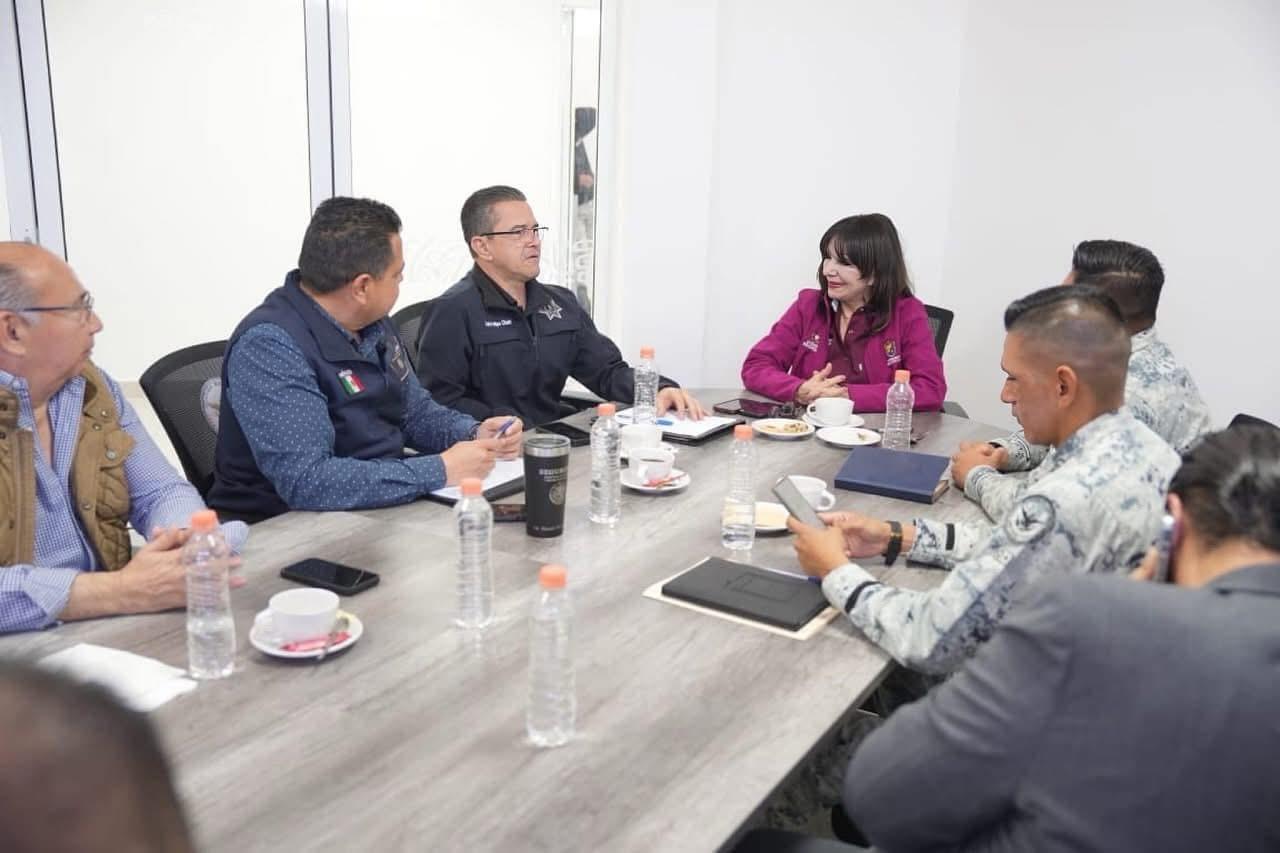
(81, 771)
(1080, 327)
(347, 238)
(477, 210)
(1229, 484)
(1130, 274)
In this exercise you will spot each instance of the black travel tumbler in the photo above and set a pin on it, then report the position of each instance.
(546, 479)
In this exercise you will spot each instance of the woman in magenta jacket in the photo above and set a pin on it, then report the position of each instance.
(855, 330)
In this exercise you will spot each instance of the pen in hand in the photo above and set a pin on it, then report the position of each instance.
(502, 430)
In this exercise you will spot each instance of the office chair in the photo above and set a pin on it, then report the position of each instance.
(1249, 420)
(408, 322)
(940, 324)
(184, 388)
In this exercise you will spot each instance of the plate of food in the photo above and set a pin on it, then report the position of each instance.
(784, 429)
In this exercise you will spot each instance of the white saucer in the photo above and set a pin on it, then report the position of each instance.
(848, 436)
(774, 428)
(355, 628)
(854, 421)
(622, 452)
(770, 517)
(681, 481)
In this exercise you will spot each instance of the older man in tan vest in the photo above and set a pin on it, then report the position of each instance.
(76, 465)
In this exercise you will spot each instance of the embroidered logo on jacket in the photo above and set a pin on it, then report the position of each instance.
(812, 344)
(350, 382)
(551, 310)
(398, 362)
(891, 352)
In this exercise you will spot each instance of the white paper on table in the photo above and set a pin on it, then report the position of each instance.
(140, 682)
(504, 471)
(683, 427)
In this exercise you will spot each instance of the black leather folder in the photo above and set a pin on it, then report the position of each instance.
(769, 597)
(903, 474)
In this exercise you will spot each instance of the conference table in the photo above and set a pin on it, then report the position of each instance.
(413, 738)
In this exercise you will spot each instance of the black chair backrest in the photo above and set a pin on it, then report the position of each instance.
(173, 385)
(940, 322)
(408, 321)
(1249, 420)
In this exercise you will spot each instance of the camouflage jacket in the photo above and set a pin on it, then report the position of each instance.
(1094, 505)
(1160, 393)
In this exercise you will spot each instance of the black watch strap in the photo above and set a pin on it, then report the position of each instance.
(895, 543)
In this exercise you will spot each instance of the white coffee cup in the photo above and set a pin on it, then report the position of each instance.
(651, 463)
(300, 614)
(636, 436)
(814, 491)
(831, 411)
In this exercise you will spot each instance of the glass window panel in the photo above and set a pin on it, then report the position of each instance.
(182, 146)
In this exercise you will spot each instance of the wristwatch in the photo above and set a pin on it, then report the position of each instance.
(895, 543)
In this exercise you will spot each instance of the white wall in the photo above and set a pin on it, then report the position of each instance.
(448, 97)
(1161, 128)
(182, 141)
(995, 133)
(4, 199)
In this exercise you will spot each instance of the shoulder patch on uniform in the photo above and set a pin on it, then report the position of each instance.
(1031, 518)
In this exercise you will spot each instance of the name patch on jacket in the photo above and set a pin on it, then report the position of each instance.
(497, 324)
(891, 354)
(350, 382)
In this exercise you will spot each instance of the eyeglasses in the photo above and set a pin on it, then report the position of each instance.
(83, 305)
(531, 232)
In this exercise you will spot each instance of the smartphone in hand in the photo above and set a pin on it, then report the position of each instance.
(786, 491)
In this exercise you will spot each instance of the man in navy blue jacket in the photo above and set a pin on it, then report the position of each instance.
(500, 342)
(319, 398)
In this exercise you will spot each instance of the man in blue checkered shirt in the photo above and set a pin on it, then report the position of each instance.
(76, 465)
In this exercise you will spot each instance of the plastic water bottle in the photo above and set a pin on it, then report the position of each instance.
(898, 404)
(606, 487)
(738, 523)
(474, 519)
(549, 718)
(645, 410)
(211, 630)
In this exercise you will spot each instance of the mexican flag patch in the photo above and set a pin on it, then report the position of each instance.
(351, 382)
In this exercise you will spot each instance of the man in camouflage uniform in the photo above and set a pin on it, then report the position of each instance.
(1159, 391)
(1093, 504)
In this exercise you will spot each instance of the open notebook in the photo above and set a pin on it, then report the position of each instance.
(506, 478)
(686, 430)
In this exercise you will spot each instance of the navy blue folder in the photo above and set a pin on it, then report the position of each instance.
(902, 474)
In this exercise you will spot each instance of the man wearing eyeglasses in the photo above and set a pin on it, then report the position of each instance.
(76, 465)
(500, 342)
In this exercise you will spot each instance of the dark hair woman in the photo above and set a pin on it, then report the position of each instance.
(848, 337)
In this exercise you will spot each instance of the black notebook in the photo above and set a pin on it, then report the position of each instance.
(903, 474)
(769, 597)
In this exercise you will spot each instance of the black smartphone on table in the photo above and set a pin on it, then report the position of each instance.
(577, 437)
(756, 408)
(326, 574)
(786, 491)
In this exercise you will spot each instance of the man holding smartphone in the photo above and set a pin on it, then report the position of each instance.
(319, 398)
(1009, 754)
(1093, 506)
